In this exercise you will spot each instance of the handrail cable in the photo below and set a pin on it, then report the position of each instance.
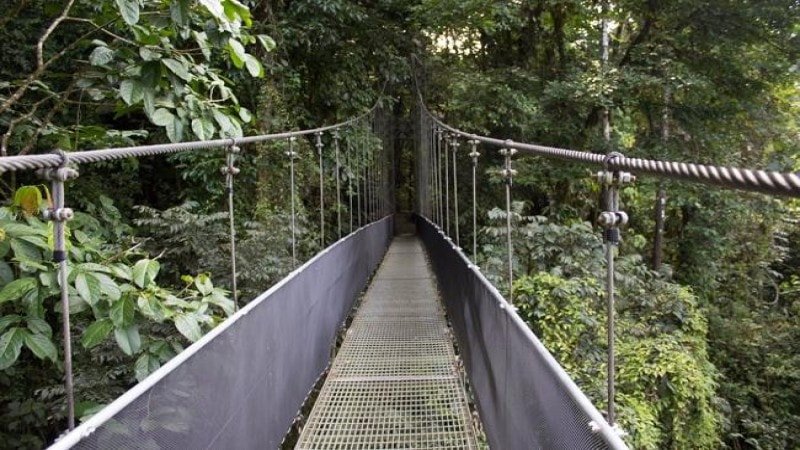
(51, 160)
(767, 182)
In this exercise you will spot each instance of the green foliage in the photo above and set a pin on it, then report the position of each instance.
(175, 61)
(665, 381)
(113, 291)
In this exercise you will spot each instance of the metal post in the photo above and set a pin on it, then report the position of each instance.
(431, 174)
(435, 170)
(611, 221)
(454, 146)
(321, 193)
(366, 178)
(359, 151)
(338, 185)
(447, 183)
(508, 173)
(59, 215)
(439, 137)
(230, 170)
(349, 164)
(292, 155)
(474, 154)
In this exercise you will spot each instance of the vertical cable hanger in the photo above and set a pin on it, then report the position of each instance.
(508, 173)
(336, 138)
(611, 220)
(474, 154)
(292, 155)
(446, 169)
(321, 191)
(230, 171)
(454, 147)
(60, 215)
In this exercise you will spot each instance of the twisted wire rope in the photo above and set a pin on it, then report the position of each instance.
(32, 162)
(767, 182)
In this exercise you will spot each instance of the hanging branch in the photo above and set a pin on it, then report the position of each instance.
(42, 65)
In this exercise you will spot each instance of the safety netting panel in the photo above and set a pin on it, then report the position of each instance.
(525, 399)
(242, 385)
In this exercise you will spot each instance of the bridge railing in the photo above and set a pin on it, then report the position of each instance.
(242, 385)
(438, 154)
(362, 181)
(525, 398)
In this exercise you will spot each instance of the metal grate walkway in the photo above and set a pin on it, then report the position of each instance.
(394, 383)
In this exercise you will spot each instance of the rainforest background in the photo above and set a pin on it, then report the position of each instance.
(709, 316)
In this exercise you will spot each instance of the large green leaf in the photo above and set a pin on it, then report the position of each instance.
(178, 68)
(101, 56)
(175, 129)
(96, 332)
(179, 11)
(235, 10)
(131, 91)
(145, 272)
(214, 7)
(162, 117)
(28, 199)
(128, 339)
(228, 126)
(122, 312)
(129, 9)
(6, 321)
(204, 284)
(25, 250)
(254, 66)
(145, 365)
(267, 42)
(17, 289)
(39, 326)
(6, 273)
(203, 128)
(41, 346)
(108, 286)
(219, 299)
(88, 287)
(10, 346)
(13, 229)
(150, 308)
(236, 50)
(187, 325)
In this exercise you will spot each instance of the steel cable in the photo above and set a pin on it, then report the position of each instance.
(767, 182)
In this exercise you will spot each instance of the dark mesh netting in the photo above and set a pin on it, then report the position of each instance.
(242, 385)
(525, 399)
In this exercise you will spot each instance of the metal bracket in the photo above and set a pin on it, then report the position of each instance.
(508, 172)
(613, 219)
(318, 144)
(291, 153)
(474, 154)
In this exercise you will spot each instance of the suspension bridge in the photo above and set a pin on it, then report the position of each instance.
(434, 356)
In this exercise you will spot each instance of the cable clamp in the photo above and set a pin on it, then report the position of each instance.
(318, 134)
(508, 152)
(611, 221)
(229, 170)
(61, 173)
(474, 154)
(610, 177)
(58, 214)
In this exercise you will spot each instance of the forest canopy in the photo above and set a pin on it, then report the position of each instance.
(709, 307)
